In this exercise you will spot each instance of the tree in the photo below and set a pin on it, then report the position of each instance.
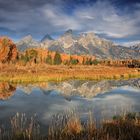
(88, 61)
(66, 62)
(57, 59)
(49, 60)
(24, 58)
(95, 62)
(74, 61)
(5, 42)
(83, 62)
(32, 54)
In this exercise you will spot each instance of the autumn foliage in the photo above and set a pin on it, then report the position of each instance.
(9, 53)
(8, 50)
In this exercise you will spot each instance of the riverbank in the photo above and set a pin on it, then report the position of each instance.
(43, 72)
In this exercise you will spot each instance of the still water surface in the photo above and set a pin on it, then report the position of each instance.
(103, 98)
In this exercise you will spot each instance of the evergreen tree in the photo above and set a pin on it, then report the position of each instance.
(32, 54)
(24, 58)
(89, 61)
(74, 61)
(95, 62)
(83, 62)
(49, 60)
(57, 59)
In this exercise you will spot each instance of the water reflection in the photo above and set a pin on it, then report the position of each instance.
(47, 99)
(6, 90)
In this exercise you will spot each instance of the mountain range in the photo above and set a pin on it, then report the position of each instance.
(136, 47)
(84, 43)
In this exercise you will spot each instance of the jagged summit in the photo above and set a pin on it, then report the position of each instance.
(27, 42)
(27, 38)
(46, 37)
(68, 32)
(84, 43)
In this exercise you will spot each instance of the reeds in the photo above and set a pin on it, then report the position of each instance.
(70, 127)
(21, 128)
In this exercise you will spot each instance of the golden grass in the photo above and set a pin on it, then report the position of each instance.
(70, 127)
(43, 72)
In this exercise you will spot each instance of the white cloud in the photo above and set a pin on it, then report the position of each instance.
(59, 19)
(100, 17)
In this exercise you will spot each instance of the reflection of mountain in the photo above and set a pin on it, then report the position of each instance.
(74, 87)
(6, 90)
(91, 88)
(27, 89)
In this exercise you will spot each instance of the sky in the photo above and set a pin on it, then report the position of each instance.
(117, 20)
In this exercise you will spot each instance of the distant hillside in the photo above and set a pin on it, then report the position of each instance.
(82, 44)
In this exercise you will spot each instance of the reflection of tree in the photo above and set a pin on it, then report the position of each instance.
(6, 90)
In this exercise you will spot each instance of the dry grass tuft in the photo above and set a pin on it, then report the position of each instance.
(70, 127)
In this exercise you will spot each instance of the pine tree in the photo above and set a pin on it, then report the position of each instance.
(74, 61)
(57, 59)
(49, 60)
(95, 62)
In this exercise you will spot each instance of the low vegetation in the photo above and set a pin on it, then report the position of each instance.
(42, 72)
(70, 127)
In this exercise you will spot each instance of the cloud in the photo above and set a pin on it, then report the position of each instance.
(59, 19)
(101, 17)
(41, 17)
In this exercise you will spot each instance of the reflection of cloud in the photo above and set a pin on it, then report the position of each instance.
(132, 89)
(46, 105)
(61, 107)
(115, 104)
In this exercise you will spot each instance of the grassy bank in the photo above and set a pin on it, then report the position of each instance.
(70, 127)
(43, 72)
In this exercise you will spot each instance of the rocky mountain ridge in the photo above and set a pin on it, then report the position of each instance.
(136, 47)
(82, 44)
(27, 42)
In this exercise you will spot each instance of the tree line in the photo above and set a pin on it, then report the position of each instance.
(33, 56)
